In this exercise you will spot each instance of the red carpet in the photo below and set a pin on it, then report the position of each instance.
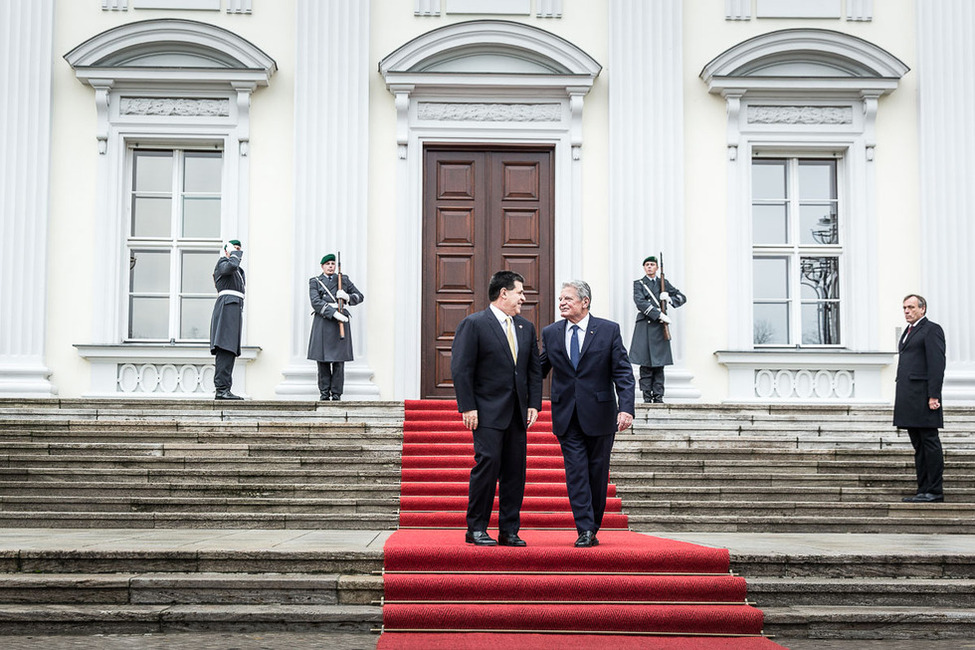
(631, 591)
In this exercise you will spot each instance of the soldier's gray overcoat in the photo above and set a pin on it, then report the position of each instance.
(648, 346)
(324, 343)
(227, 320)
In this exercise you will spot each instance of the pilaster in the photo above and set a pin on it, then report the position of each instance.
(27, 32)
(330, 194)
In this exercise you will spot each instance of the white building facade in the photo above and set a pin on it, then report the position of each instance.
(801, 166)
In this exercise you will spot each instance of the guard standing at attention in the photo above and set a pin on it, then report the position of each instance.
(330, 344)
(227, 320)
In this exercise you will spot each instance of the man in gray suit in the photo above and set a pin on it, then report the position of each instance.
(650, 348)
(917, 401)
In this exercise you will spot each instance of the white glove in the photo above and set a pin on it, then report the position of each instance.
(340, 317)
(227, 247)
(664, 318)
(342, 295)
(333, 305)
(664, 296)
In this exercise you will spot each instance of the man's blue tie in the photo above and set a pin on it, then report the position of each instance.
(574, 347)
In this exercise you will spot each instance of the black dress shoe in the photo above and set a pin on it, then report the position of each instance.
(658, 399)
(910, 498)
(587, 538)
(323, 397)
(479, 538)
(226, 394)
(926, 497)
(510, 539)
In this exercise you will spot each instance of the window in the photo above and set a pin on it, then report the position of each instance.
(796, 252)
(173, 241)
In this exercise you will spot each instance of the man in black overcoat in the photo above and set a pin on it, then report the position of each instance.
(917, 402)
(497, 378)
(326, 345)
(649, 347)
(227, 320)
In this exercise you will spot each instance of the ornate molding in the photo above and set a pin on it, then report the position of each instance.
(174, 106)
(466, 112)
(758, 114)
(804, 384)
(153, 379)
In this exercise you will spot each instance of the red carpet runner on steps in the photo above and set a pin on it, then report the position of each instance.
(631, 591)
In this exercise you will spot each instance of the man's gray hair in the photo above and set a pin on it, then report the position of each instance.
(921, 302)
(581, 287)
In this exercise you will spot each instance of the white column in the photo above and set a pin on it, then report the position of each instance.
(646, 165)
(947, 165)
(331, 145)
(26, 35)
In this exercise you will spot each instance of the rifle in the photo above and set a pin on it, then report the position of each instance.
(339, 301)
(663, 287)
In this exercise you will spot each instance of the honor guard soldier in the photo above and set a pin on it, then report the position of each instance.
(330, 344)
(650, 346)
(228, 317)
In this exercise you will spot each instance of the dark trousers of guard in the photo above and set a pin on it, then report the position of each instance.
(331, 379)
(499, 458)
(652, 383)
(223, 376)
(929, 461)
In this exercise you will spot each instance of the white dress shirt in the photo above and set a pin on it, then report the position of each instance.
(583, 326)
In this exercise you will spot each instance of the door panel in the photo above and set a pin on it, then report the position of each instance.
(483, 210)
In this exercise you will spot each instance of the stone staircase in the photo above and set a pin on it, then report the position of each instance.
(782, 475)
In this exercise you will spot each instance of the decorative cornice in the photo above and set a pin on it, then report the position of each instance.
(174, 106)
(467, 112)
(758, 114)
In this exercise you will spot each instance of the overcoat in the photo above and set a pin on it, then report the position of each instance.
(920, 375)
(227, 320)
(648, 347)
(591, 389)
(324, 344)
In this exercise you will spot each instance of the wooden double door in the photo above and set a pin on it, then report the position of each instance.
(484, 210)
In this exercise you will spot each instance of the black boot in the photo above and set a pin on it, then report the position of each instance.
(225, 393)
(323, 397)
(647, 397)
(336, 397)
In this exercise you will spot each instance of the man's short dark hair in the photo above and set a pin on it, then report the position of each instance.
(503, 280)
(921, 302)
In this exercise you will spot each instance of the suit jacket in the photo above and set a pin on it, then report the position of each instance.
(227, 320)
(648, 347)
(920, 375)
(485, 376)
(591, 390)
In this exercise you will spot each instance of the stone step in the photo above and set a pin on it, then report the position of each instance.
(851, 523)
(76, 504)
(240, 476)
(360, 448)
(903, 463)
(393, 437)
(860, 592)
(864, 622)
(142, 619)
(387, 462)
(188, 488)
(899, 510)
(777, 480)
(747, 494)
(234, 520)
(191, 588)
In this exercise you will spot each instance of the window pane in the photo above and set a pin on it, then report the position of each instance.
(153, 171)
(771, 324)
(149, 318)
(768, 179)
(770, 224)
(201, 218)
(201, 172)
(150, 272)
(819, 277)
(770, 278)
(151, 217)
(821, 323)
(817, 179)
(198, 272)
(818, 225)
(194, 321)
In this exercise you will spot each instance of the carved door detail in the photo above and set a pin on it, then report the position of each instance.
(484, 210)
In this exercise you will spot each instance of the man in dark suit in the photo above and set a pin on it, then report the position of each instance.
(498, 382)
(227, 321)
(917, 402)
(589, 363)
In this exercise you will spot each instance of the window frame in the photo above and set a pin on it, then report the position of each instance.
(794, 250)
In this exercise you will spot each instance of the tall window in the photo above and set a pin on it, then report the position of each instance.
(796, 252)
(173, 241)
